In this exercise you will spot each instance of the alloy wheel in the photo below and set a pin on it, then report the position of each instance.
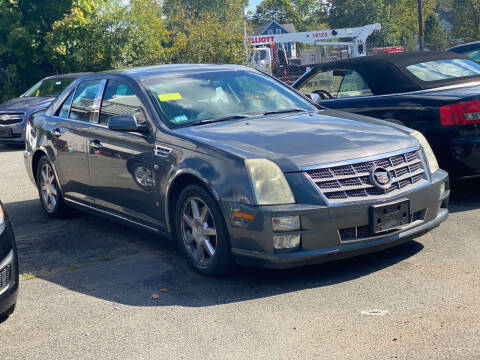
(199, 233)
(48, 187)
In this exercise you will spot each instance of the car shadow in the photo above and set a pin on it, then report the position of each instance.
(11, 148)
(464, 195)
(99, 258)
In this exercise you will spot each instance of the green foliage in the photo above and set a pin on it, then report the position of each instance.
(467, 19)
(202, 37)
(399, 18)
(435, 37)
(44, 37)
(111, 36)
(282, 11)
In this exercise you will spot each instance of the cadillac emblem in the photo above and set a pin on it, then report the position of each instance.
(380, 178)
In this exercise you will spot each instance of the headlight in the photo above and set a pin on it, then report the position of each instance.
(269, 183)
(2, 221)
(431, 159)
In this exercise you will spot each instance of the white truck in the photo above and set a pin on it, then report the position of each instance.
(268, 52)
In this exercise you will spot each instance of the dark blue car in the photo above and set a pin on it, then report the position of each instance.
(14, 112)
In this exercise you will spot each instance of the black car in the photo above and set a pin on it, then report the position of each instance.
(14, 112)
(233, 164)
(471, 50)
(8, 267)
(437, 94)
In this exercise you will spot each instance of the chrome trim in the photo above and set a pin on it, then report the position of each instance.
(9, 259)
(373, 199)
(112, 214)
(359, 160)
(162, 151)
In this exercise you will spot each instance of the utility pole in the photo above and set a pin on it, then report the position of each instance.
(421, 43)
(244, 18)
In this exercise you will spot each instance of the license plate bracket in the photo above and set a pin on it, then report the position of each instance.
(389, 216)
(5, 133)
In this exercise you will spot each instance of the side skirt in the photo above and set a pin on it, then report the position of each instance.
(117, 218)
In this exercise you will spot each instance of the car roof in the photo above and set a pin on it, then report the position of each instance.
(467, 46)
(156, 70)
(68, 76)
(388, 74)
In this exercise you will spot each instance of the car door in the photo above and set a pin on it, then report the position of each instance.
(121, 162)
(69, 130)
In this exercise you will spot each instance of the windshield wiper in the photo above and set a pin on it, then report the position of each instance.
(284, 111)
(219, 119)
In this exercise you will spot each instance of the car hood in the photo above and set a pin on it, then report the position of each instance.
(301, 140)
(26, 103)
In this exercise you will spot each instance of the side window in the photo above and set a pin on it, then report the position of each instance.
(65, 108)
(353, 85)
(82, 105)
(328, 81)
(119, 99)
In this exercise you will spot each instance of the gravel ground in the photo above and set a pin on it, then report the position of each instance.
(91, 295)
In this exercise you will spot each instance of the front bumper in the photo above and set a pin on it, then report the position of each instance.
(321, 241)
(18, 134)
(8, 293)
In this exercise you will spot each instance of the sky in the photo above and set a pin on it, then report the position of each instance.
(253, 4)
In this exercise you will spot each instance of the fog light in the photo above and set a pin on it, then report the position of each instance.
(442, 189)
(282, 242)
(286, 223)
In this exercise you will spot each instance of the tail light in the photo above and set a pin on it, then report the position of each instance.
(464, 113)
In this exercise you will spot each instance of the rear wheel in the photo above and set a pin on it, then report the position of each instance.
(201, 232)
(48, 189)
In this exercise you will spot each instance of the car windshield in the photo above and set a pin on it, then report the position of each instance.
(189, 99)
(48, 88)
(444, 69)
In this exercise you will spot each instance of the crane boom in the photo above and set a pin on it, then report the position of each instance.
(358, 35)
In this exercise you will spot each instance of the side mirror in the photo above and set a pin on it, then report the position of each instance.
(125, 122)
(314, 97)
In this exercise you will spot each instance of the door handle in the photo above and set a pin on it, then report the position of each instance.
(95, 144)
(56, 132)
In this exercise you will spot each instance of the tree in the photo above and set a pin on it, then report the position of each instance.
(435, 37)
(467, 19)
(281, 11)
(111, 35)
(202, 39)
(23, 27)
(398, 18)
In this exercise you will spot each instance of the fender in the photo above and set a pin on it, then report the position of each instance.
(179, 172)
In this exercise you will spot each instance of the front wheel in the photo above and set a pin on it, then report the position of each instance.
(201, 232)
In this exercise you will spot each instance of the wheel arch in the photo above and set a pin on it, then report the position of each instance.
(35, 160)
(180, 181)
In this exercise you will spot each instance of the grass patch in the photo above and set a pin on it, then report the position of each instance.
(27, 276)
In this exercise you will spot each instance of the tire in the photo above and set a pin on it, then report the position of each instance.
(48, 190)
(202, 233)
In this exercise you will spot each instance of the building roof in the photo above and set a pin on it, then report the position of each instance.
(260, 30)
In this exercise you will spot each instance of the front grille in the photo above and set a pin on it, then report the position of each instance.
(352, 182)
(10, 118)
(5, 276)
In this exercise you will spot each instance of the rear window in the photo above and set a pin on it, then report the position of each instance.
(444, 69)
